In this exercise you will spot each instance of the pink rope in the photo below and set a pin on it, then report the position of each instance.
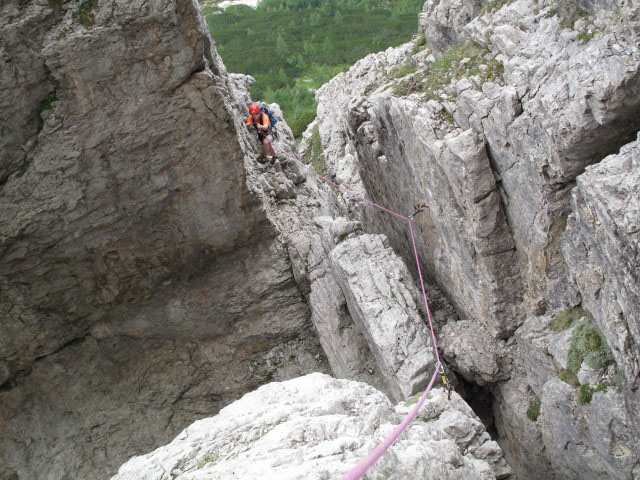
(359, 470)
(424, 295)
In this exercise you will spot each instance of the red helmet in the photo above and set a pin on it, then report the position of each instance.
(253, 108)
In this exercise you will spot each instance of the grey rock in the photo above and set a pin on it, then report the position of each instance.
(588, 432)
(589, 376)
(143, 283)
(491, 230)
(273, 432)
(98, 203)
(559, 346)
(533, 343)
(473, 353)
(521, 438)
(344, 344)
(601, 247)
(442, 22)
(383, 303)
(137, 380)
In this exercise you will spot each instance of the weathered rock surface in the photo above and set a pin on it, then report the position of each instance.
(485, 145)
(133, 384)
(516, 199)
(317, 427)
(151, 272)
(473, 353)
(519, 436)
(409, 163)
(142, 284)
(601, 247)
(346, 347)
(384, 305)
(597, 433)
(443, 22)
(103, 215)
(568, 435)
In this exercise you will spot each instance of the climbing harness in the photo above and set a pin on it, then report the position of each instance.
(359, 470)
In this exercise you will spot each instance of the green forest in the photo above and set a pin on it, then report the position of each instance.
(292, 47)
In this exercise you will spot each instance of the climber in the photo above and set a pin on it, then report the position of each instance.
(260, 121)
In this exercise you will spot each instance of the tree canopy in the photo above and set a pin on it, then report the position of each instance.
(291, 47)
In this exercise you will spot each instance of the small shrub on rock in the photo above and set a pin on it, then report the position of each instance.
(84, 14)
(585, 394)
(569, 377)
(565, 318)
(588, 344)
(48, 101)
(533, 412)
(460, 61)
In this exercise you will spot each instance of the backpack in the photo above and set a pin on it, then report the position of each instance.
(272, 120)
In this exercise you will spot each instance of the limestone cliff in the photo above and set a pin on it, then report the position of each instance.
(485, 127)
(142, 284)
(152, 272)
(325, 426)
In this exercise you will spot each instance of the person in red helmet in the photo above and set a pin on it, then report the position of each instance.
(260, 121)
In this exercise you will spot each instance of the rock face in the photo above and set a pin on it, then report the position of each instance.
(142, 283)
(101, 216)
(325, 427)
(150, 267)
(151, 272)
(385, 309)
(601, 246)
(495, 178)
(558, 429)
(481, 128)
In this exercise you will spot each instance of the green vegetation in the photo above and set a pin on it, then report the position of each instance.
(209, 458)
(585, 37)
(84, 14)
(420, 43)
(292, 47)
(569, 377)
(447, 117)
(46, 104)
(617, 380)
(565, 318)
(568, 13)
(370, 88)
(533, 412)
(589, 345)
(404, 70)
(412, 400)
(56, 4)
(585, 394)
(493, 5)
(602, 386)
(462, 61)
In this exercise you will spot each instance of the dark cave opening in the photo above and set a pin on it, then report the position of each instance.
(480, 399)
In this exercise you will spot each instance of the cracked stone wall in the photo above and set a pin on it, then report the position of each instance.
(486, 143)
(142, 285)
